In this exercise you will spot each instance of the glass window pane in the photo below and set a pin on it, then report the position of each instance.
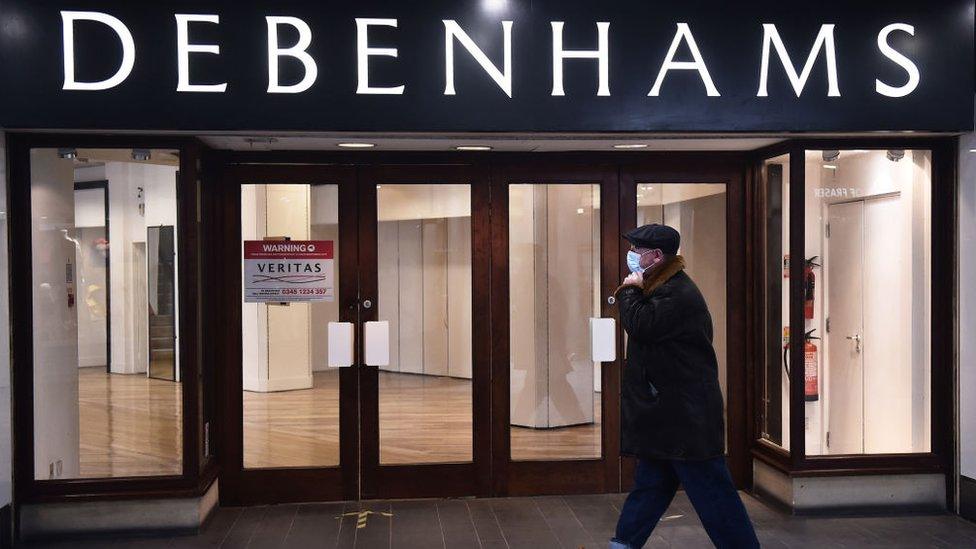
(867, 299)
(424, 279)
(105, 316)
(291, 396)
(776, 379)
(697, 211)
(554, 286)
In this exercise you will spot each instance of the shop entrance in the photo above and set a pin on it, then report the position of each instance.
(380, 390)
(456, 357)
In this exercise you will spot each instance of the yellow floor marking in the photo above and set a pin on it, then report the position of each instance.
(363, 516)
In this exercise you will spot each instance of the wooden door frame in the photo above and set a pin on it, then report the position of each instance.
(704, 168)
(512, 478)
(434, 479)
(240, 486)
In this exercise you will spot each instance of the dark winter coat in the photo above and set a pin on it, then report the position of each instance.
(671, 403)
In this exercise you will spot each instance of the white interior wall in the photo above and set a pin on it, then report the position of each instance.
(552, 250)
(424, 277)
(90, 280)
(324, 219)
(254, 318)
(55, 330)
(127, 255)
(896, 398)
(89, 207)
(278, 336)
(967, 306)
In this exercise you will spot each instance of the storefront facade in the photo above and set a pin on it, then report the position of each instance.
(461, 342)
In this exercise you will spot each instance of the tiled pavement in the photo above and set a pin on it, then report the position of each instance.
(568, 522)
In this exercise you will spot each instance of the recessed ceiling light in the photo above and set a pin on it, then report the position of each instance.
(357, 145)
(630, 146)
(472, 148)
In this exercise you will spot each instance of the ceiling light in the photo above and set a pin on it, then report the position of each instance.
(630, 146)
(357, 145)
(896, 154)
(472, 148)
(68, 153)
(141, 155)
(494, 5)
(830, 156)
(829, 167)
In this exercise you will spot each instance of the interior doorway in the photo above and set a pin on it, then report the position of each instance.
(868, 378)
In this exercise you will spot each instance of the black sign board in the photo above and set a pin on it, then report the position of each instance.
(488, 65)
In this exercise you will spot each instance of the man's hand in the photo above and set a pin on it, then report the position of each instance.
(634, 279)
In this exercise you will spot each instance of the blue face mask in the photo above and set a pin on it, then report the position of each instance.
(633, 262)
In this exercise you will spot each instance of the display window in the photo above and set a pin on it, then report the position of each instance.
(854, 331)
(106, 353)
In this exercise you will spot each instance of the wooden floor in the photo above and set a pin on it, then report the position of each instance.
(130, 425)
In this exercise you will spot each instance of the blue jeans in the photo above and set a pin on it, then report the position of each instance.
(709, 487)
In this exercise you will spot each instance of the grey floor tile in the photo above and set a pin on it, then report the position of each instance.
(244, 527)
(456, 524)
(215, 530)
(274, 527)
(415, 524)
(557, 522)
(485, 523)
(315, 525)
(346, 538)
(376, 532)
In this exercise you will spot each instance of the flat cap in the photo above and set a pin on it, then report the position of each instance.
(655, 236)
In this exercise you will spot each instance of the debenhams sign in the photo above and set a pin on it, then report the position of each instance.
(492, 65)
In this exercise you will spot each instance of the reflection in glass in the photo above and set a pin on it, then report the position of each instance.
(161, 258)
(554, 287)
(424, 279)
(291, 396)
(97, 413)
(776, 379)
(868, 235)
(697, 211)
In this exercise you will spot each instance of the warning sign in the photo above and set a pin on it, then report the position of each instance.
(282, 271)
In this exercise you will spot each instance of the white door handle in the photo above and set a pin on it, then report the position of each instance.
(376, 337)
(340, 344)
(603, 339)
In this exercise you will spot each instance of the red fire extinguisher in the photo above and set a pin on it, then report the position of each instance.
(811, 380)
(809, 287)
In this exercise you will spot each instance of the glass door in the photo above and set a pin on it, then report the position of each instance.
(362, 355)
(424, 322)
(704, 201)
(555, 264)
(293, 432)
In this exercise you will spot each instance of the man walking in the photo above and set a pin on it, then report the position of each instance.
(671, 403)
